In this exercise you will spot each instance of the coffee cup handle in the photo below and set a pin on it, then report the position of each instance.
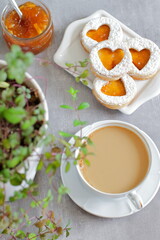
(136, 200)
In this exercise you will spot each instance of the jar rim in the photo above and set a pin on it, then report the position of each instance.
(26, 39)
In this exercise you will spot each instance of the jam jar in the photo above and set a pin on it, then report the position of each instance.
(33, 32)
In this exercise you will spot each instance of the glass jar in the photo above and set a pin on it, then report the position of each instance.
(34, 44)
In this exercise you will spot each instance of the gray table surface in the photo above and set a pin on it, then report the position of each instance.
(143, 17)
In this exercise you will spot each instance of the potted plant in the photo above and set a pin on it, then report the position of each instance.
(23, 121)
(23, 124)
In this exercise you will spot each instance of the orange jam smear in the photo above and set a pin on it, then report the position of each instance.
(34, 21)
(110, 58)
(140, 58)
(114, 88)
(101, 34)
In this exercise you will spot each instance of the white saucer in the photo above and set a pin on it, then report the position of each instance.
(104, 206)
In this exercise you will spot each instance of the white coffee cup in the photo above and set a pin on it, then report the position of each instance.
(134, 198)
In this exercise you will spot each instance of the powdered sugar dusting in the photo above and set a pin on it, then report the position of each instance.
(154, 62)
(130, 87)
(120, 69)
(115, 34)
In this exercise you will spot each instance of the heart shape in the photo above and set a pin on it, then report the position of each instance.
(101, 34)
(114, 88)
(140, 58)
(110, 58)
(115, 94)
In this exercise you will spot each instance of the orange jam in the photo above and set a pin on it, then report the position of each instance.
(33, 32)
(110, 58)
(101, 34)
(114, 88)
(140, 58)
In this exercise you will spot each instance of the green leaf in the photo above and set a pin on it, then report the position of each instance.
(33, 204)
(73, 92)
(89, 141)
(67, 233)
(78, 123)
(17, 179)
(84, 63)
(58, 157)
(2, 196)
(3, 75)
(28, 123)
(83, 105)
(69, 64)
(14, 162)
(40, 165)
(29, 57)
(78, 79)
(20, 234)
(75, 162)
(66, 106)
(84, 74)
(87, 162)
(48, 140)
(68, 152)
(7, 94)
(17, 63)
(4, 85)
(21, 152)
(6, 173)
(54, 237)
(84, 150)
(47, 199)
(14, 140)
(14, 115)
(65, 143)
(67, 168)
(85, 82)
(49, 168)
(48, 155)
(64, 134)
(21, 194)
(6, 143)
(32, 236)
(28, 131)
(78, 142)
(62, 190)
(20, 101)
(15, 49)
(2, 108)
(50, 224)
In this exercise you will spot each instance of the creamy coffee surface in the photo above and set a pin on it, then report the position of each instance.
(120, 161)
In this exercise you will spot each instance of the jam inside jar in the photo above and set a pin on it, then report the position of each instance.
(34, 32)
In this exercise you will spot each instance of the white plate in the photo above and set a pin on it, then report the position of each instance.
(71, 51)
(104, 206)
